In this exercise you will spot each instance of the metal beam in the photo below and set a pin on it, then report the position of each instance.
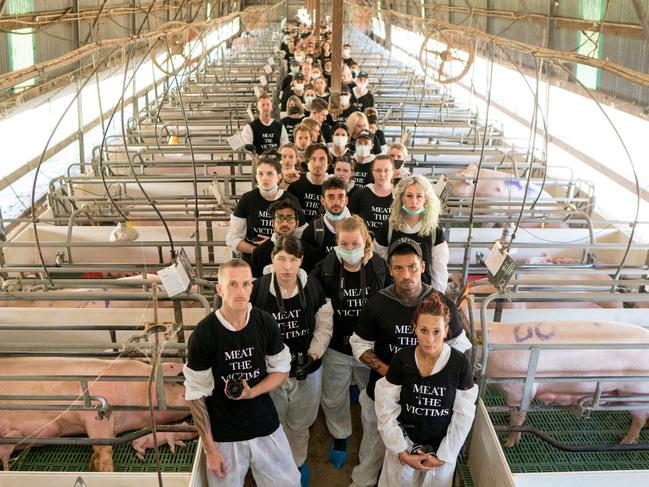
(336, 56)
(642, 15)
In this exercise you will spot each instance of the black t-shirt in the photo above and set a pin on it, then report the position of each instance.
(427, 244)
(386, 322)
(362, 173)
(364, 101)
(295, 323)
(254, 208)
(226, 352)
(308, 194)
(290, 123)
(375, 210)
(379, 136)
(322, 245)
(347, 298)
(427, 402)
(261, 257)
(325, 132)
(286, 94)
(342, 118)
(266, 137)
(286, 82)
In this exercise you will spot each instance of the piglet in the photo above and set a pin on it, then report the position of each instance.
(171, 438)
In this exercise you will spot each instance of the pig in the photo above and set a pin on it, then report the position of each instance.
(514, 363)
(171, 438)
(493, 183)
(17, 423)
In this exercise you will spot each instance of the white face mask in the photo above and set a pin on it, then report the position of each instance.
(298, 86)
(315, 75)
(361, 85)
(363, 150)
(299, 59)
(346, 53)
(340, 140)
(308, 99)
(351, 257)
(344, 99)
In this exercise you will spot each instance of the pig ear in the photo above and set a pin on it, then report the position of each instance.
(472, 167)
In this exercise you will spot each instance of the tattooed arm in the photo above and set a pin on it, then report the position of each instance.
(214, 459)
(370, 359)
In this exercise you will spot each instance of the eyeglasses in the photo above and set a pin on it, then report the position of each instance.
(282, 218)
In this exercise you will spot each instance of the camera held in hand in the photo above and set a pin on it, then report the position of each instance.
(301, 365)
(234, 387)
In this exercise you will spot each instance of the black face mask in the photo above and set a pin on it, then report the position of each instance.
(398, 163)
(293, 110)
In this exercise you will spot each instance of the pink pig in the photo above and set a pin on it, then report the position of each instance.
(171, 438)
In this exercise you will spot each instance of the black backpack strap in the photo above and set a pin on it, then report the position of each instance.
(319, 231)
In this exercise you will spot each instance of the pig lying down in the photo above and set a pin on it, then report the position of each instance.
(566, 363)
(55, 423)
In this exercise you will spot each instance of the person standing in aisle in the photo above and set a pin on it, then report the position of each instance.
(304, 316)
(415, 214)
(235, 358)
(308, 189)
(264, 132)
(373, 202)
(350, 275)
(383, 329)
(250, 223)
(425, 404)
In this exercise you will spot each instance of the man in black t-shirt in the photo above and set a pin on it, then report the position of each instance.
(320, 234)
(264, 132)
(235, 358)
(383, 329)
(285, 215)
(308, 188)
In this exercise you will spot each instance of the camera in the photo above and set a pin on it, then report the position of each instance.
(301, 365)
(234, 388)
(419, 449)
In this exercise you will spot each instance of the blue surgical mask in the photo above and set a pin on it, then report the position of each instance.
(335, 218)
(410, 212)
(351, 257)
(268, 191)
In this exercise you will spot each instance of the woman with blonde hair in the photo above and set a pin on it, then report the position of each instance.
(415, 214)
(350, 274)
(357, 123)
(398, 152)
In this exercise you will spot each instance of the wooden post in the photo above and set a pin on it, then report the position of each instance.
(336, 57)
(316, 29)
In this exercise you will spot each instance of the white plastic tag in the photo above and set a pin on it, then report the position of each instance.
(268, 69)
(500, 266)
(263, 81)
(496, 258)
(174, 279)
(271, 60)
(257, 91)
(250, 114)
(440, 185)
(236, 142)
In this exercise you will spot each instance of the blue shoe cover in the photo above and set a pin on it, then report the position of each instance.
(338, 453)
(354, 393)
(305, 476)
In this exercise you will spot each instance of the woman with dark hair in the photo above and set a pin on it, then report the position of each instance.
(304, 316)
(250, 225)
(340, 140)
(425, 405)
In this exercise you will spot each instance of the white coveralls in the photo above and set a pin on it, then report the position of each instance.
(371, 452)
(388, 409)
(297, 401)
(266, 456)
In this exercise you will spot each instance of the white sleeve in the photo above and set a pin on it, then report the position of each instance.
(300, 230)
(236, 232)
(439, 265)
(359, 345)
(384, 149)
(461, 343)
(387, 411)
(247, 135)
(461, 421)
(280, 362)
(198, 383)
(381, 250)
(324, 328)
(283, 139)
